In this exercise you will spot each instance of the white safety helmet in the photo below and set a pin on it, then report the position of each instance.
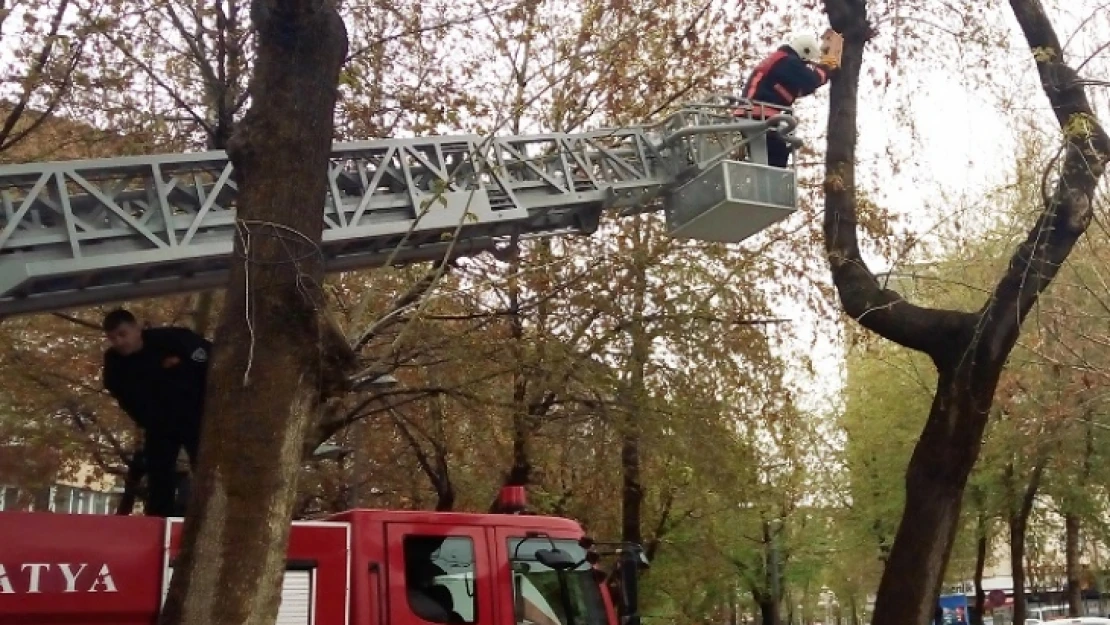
(807, 46)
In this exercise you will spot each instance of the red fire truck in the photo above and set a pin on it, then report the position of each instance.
(361, 567)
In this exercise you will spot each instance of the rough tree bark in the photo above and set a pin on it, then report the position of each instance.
(278, 353)
(969, 350)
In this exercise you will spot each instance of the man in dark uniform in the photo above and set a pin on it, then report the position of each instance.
(795, 70)
(158, 377)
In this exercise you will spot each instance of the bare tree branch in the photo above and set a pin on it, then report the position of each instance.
(401, 304)
(878, 309)
(33, 78)
(1068, 211)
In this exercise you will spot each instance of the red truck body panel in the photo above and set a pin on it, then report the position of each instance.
(79, 569)
(349, 569)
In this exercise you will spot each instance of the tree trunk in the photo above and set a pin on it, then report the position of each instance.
(771, 603)
(278, 353)
(520, 472)
(528, 406)
(981, 545)
(632, 495)
(768, 610)
(968, 349)
(936, 475)
(1019, 524)
(1017, 567)
(1073, 524)
(632, 492)
(1071, 554)
(532, 399)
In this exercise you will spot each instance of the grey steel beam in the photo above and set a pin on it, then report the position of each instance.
(78, 233)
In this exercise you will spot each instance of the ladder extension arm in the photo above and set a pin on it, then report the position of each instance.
(75, 233)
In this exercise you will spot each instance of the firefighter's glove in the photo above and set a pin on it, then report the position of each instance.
(830, 61)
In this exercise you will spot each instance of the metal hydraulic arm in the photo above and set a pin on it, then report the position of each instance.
(76, 233)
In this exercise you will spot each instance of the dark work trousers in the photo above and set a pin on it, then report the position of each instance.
(161, 448)
(778, 152)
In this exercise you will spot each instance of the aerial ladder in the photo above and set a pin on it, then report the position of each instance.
(89, 232)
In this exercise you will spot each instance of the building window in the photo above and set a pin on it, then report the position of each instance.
(63, 499)
(72, 500)
(58, 498)
(440, 578)
(9, 498)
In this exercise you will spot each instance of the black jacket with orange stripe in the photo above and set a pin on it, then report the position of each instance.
(784, 77)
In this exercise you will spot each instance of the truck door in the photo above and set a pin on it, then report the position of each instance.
(439, 574)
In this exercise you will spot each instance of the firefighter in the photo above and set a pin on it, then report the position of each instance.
(158, 376)
(795, 70)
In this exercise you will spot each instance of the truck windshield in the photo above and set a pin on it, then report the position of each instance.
(540, 600)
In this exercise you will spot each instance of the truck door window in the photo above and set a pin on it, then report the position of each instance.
(440, 578)
(543, 601)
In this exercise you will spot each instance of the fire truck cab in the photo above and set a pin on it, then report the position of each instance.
(361, 567)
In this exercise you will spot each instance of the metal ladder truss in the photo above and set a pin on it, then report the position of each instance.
(78, 233)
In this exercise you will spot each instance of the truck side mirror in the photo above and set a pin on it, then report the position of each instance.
(555, 559)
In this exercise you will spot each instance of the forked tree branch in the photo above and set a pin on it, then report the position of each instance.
(1034, 264)
(878, 309)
